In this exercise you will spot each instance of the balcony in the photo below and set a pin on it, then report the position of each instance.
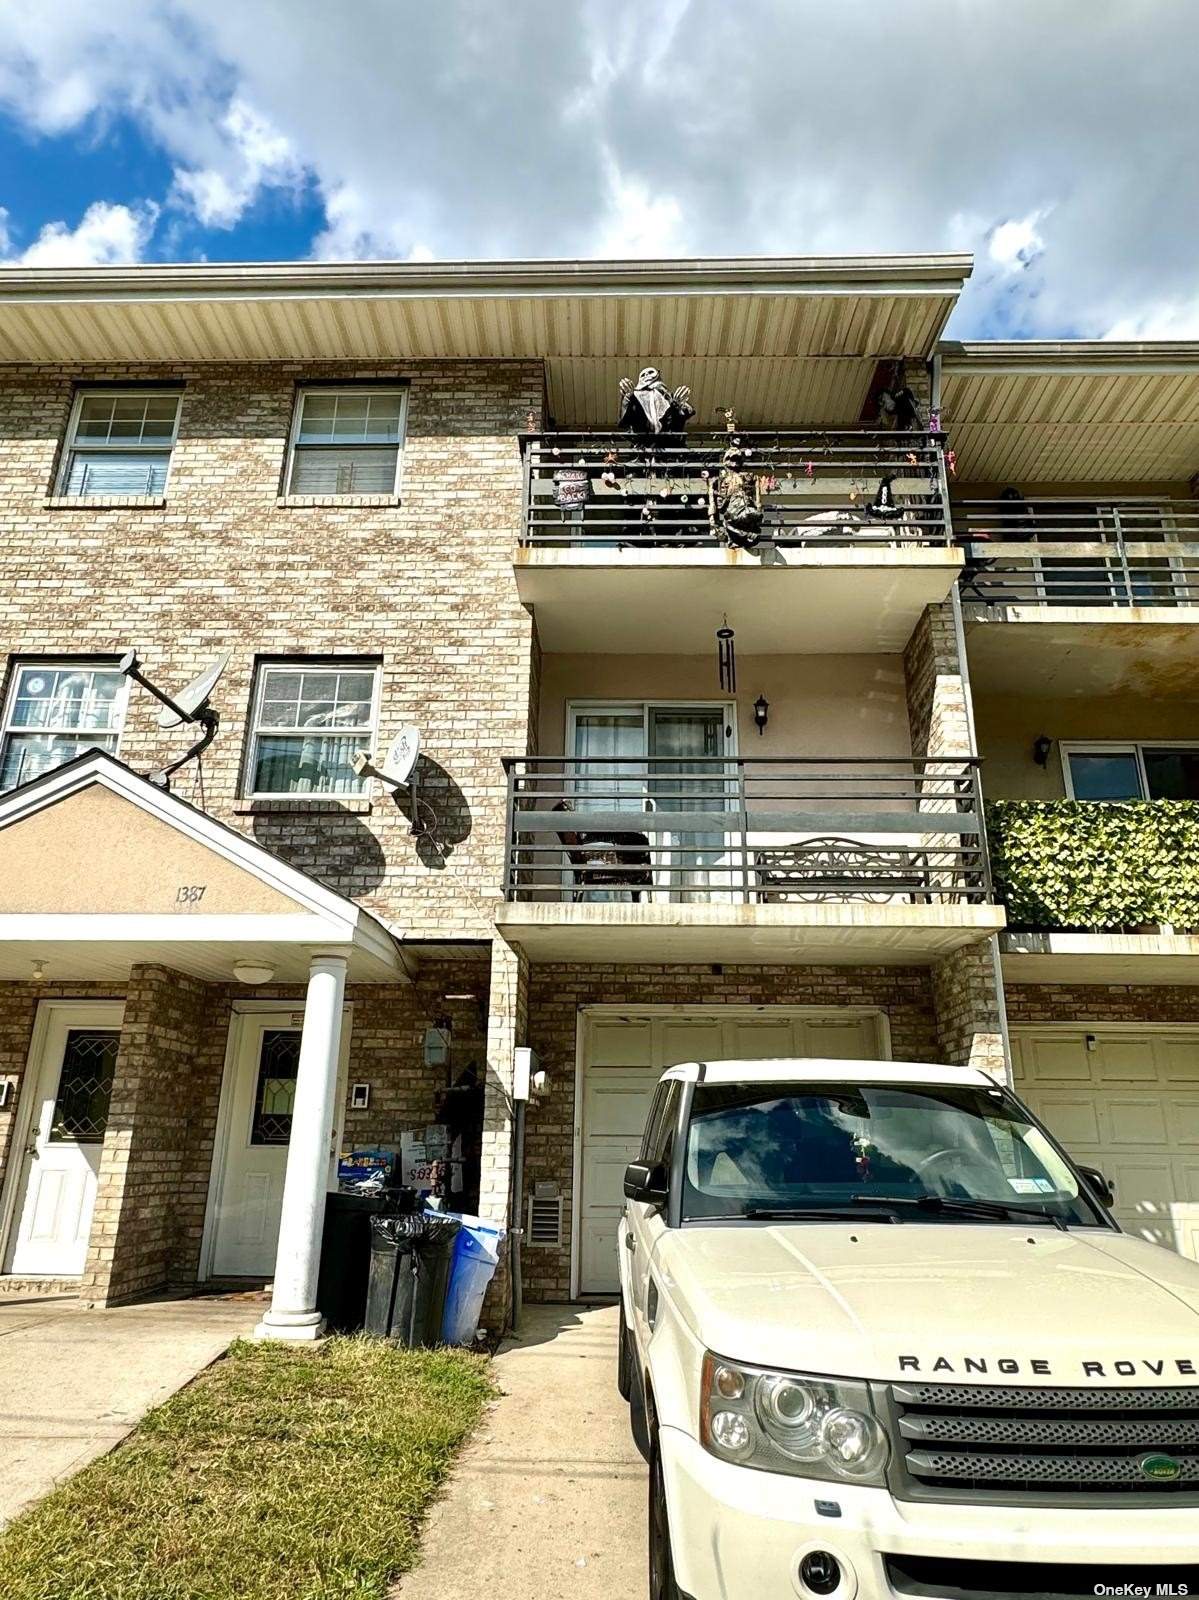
(1133, 555)
(846, 861)
(1098, 892)
(623, 548)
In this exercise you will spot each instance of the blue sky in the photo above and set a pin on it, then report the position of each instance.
(1055, 139)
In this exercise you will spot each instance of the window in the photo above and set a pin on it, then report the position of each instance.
(119, 442)
(275, 1093)
(346, 441)
(57, 712)
(1132, 772)
(300, 742)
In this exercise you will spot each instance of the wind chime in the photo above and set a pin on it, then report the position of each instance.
(726, 658)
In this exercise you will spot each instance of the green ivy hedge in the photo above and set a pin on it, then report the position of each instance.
(1096, 866)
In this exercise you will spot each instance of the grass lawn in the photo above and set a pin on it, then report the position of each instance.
(280, 1472)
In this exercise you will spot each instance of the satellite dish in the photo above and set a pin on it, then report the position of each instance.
(400, 759)
(189, 701)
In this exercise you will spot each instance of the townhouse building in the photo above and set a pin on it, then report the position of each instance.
(836, 706)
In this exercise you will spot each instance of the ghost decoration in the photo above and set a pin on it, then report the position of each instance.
(649, 407)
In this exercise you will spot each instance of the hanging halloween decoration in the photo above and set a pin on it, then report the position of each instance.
(898, 408)
(726, 658)
(649, 407)
(572, 488)
(883, 507)
(736, 501)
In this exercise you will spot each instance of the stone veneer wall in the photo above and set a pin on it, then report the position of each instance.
(969, 1010)
(422, 582)
(936, 689)
(558, 991)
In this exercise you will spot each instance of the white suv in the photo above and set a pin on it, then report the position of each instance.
(882, 1337)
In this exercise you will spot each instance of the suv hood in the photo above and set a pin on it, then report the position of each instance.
(953, 1302)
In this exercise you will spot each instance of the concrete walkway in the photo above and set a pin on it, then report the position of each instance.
(549, 1499)
(73, 1382)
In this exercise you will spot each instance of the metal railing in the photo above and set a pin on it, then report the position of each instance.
(1069, 553)
(745, 831)
(611, 490)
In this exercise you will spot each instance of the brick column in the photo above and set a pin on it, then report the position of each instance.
(166, 1033)
(968, 1006)
(507, 1021)
(936, 689)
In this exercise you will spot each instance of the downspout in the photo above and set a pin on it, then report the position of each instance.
(515, 1230)
(959, 637)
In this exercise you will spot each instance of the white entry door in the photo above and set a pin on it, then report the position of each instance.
(70, 1078)
(623, 1058)
(260, 1093)
(1125, 1100)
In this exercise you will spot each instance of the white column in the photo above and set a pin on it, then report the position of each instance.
(293, 1313)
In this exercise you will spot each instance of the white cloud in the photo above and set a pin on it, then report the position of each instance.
(1055, 138)
(105, 235)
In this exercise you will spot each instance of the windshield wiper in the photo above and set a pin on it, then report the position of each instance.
(821, 1213)
(962, 1207)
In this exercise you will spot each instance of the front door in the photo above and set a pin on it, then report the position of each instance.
(71, 1080)
(261, 1092)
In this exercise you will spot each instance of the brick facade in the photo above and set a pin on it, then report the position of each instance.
(1101, 1002)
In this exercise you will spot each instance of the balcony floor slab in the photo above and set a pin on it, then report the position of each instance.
(852, 934)
(780, 601)
(1106, 958)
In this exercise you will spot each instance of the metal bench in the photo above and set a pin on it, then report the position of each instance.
(832, 868)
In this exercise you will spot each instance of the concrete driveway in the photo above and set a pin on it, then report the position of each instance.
(549, 1498)
(73, 1382)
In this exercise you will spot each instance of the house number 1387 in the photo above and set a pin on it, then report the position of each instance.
(190, 894)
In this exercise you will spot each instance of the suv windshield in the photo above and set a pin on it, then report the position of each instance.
(931, 1150)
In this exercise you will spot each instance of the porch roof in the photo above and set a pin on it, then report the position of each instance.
(101, 870)
(772, 337)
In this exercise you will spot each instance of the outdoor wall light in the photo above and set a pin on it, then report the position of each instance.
(252, 972)
(761, 713)
(39, 970)
(1041, 746)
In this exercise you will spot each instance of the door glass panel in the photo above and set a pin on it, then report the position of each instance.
(1105, 775)
(85, 1086)
(1172, 774)
(602, 736)
(275, 1094)
(689, 780)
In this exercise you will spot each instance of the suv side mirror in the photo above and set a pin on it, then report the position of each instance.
(649, 1184)
(1103, 1187)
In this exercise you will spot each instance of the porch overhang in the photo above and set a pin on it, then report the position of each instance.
(1102, 958)
(668, 602)
(844, 935)
(1059, 652)
(101, 871)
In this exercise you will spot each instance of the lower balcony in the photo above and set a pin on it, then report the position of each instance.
(1098, 891)
(813, 860)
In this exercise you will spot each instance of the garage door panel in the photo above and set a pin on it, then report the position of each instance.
(1137, 1120)
(1178, 1060)
(1183, 1117)
(1073, 1119)
(616, 1102)
(1186, 1177)
(1124, 1059)
(689, 1041)
(1055, 1058)
(841, 1041)
(621, 1043)
(763, 1041)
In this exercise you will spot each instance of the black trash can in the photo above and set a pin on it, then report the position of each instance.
(410, 1273)
(346, 1252)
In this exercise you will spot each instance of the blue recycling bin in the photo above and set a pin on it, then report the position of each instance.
(476, 1256)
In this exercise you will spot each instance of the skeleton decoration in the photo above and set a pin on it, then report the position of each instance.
(737, 500)
(898, 408)
(649, 407)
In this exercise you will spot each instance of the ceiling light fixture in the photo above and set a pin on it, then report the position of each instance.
(252, 972)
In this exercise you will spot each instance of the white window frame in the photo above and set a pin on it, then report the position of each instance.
(302, 393)
(24, 664)
(71, 444)
(1107, 747)
(369, 733)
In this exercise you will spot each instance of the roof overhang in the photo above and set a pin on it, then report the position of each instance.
(60, 907)
(856, 934)
(774, 337)
(1072, 411)
(1103, 958)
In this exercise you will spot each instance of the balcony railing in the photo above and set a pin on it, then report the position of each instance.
(597, 490)
(1065, 553)
(761, 831)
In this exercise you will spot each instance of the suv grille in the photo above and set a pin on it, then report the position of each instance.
(958, 1441)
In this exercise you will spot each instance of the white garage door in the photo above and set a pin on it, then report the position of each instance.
(623, 1057)
(1128, 1102)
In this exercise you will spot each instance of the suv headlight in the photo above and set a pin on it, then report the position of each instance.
(813, 1427)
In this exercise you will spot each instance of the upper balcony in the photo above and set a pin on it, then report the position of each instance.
(629, 544)
(810, 859)
(1055, 559)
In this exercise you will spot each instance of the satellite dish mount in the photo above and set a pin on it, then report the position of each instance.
(397, 772)
(189, 706)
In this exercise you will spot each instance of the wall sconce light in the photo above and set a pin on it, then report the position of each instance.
(761, 713)
(39, 970)
(1041, 746)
